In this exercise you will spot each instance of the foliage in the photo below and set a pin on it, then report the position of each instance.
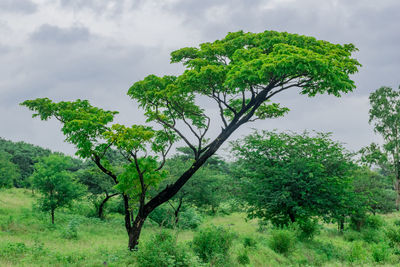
(24, 156)
(55, 183)
(289, 177)
(282, 241)
(163, 250)
(375, 189)
(240, 72)
(307, 229)
(212, 244)
(356, 252)
(71, 230)
(384, 114)
(380, 252)
(9, 172)
(243, 258)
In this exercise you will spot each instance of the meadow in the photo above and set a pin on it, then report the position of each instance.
(27, 238)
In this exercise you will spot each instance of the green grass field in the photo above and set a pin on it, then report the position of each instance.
(27, 238)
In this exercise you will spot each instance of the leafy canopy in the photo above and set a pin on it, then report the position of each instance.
(55, 183)
(289, 177)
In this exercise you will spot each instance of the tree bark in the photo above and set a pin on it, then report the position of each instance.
(52, 216)
(101, 206)
(135, 230)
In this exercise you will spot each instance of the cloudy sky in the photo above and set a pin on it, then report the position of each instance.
(92, 49)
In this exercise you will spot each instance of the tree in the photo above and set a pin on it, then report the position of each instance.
(384, 114)
(55, 183)
(288, 177)
(9, 172)
(24, 156)
(240, 73)
(376, 189)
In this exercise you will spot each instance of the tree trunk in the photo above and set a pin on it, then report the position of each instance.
(292, 217)
(134, 232)
(101, 207)
(52, 216)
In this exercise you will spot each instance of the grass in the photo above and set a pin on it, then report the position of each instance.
(27, 238)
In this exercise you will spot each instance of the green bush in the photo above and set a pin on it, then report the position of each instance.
(243, 259)
(282, 241)
(249, 242)
(374, 221)
(380, 252)
(189, 219)
(162, 250)
(371, 235)
(71, 230)
(351, 235)
(212, 244)
(393, 234)
(396, 222)
(356, 252)
(328, 250)
(307, 229)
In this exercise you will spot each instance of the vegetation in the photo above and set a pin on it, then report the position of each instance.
(240, 73)
(288, 177)
(275, 201)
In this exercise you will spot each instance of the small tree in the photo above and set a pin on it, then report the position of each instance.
(288, 177)
(384, 114)
(55, 183)
(239, 73)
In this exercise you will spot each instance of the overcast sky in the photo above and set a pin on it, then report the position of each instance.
(96, 49)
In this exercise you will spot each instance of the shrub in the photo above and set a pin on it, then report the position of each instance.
(307, 229)
(282, 241)
(371, 235)
(189, 219)
(243, 259)
(351, 235)
(356, 252)
(397, 222)
(380, 252)
(249, 242)
(212, 244)
(393, 234)
(71, 230)
(374, 221)
(327, 249)
(162, 250)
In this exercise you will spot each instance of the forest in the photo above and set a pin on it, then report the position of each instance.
(179, 191)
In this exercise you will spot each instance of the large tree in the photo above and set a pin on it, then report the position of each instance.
(239, 73)
(287, 177)
(384, 114)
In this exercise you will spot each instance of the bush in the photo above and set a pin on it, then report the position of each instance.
(393, 234)
(351, 235)
(370, 235)
(327, 249)
(380, 252)
(249, 242)
(356, 252)
(243, 259)
(282, 241)
(163, 251)
(189, 219)
(374, 221)
(71, 230)
(212, 244)
(306, 230)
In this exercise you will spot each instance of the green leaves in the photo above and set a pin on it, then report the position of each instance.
(287, 176)
(83, 124)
